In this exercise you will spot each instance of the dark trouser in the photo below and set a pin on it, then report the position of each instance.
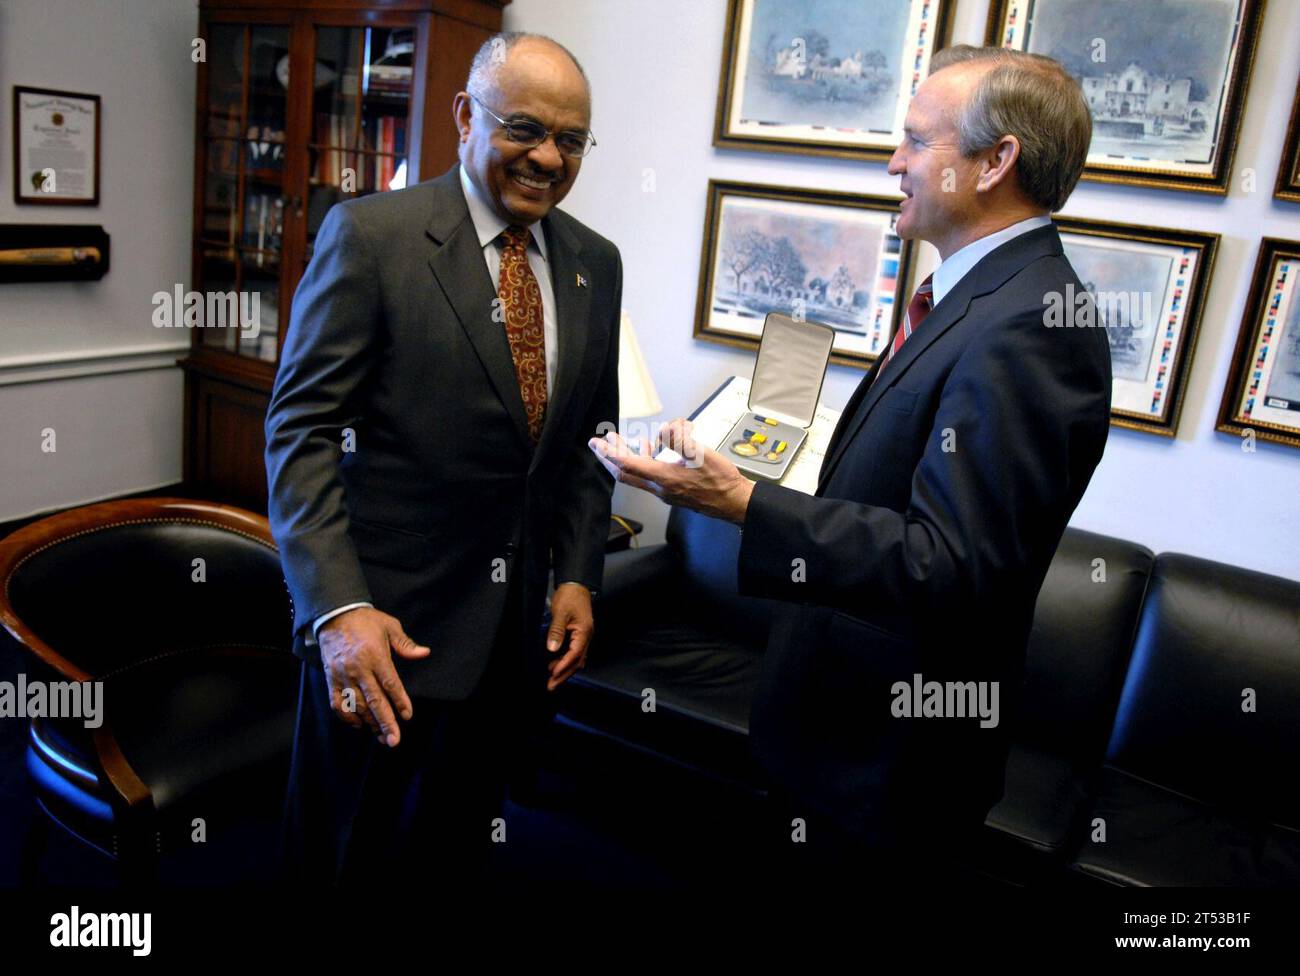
(926, 852)
(358, 811)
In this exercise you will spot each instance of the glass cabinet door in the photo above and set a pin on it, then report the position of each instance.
(241, 236)
(361, 116)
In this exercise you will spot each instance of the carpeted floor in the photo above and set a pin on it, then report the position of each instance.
(600, 818)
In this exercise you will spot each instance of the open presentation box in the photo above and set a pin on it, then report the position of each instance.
(783, 396)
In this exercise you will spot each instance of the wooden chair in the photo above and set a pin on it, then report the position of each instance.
(178, 609)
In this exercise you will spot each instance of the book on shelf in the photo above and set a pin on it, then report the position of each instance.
(374, 152)
(390, 144)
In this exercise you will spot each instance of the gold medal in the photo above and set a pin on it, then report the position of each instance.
(745, 448)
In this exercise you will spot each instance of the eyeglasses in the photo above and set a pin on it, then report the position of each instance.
(526, 132)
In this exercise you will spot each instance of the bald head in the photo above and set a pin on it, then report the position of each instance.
(535, 51)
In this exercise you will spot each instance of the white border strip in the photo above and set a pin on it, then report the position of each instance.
(47, 367)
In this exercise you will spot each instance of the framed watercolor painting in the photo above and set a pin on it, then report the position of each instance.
(814, 255)
(1165, 81)
(825, 77)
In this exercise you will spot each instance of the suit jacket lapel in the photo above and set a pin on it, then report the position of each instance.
(461, 273)
(572, 323)
(943, 317)
(989, 274)
(850, 408)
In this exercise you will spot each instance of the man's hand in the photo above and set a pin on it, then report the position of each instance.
(571, 614)
(357, 651)
(702, 480)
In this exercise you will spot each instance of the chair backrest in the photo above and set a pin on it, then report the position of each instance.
(1084, 620)
(1211, 704)
(101, 587)
(707, 550)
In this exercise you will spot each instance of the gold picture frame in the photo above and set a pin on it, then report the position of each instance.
(816, 255)
(1288, 170)
(1261, 397)
(1159, 277)
(794, 82)
(1149, 129)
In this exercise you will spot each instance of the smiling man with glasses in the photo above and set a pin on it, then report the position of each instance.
(453, 346)
(524, 131)
(530, 134)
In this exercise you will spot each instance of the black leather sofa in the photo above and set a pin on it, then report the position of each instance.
(1157, 743)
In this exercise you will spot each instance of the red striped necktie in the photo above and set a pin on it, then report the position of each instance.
(917, 309)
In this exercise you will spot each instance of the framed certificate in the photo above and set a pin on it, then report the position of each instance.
(56, 147)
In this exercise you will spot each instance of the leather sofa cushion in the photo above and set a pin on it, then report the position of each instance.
(692, 668)
(708, 553)
(1079, 645)
(1211, 705)
(1156, 837)
(1043, 800)
(188, 720)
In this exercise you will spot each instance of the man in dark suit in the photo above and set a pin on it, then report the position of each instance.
(452, 348)
(945, 489)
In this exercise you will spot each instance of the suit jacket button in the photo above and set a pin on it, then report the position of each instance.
(510, 548)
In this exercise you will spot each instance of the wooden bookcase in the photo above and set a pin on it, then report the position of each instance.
(301, 103)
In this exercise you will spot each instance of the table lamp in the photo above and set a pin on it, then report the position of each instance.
(637, 397)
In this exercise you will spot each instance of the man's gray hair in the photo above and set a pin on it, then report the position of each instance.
(1035, 99)
(492, 54)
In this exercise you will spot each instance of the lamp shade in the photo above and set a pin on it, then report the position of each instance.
(637, 396)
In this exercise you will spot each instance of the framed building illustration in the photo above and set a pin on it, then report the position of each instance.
(1165, 82)
(814, 255)
(824, 77)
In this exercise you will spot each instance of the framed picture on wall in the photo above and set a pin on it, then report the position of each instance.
(1166, 82)
(1288, 171)
(826, 77)
(1262, 393)
(1149, 286)
(56, 147)
(812, 254)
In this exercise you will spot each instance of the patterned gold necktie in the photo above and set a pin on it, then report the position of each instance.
(521, 300)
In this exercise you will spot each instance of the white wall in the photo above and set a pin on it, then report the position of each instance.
(654, 66)
(83, 357)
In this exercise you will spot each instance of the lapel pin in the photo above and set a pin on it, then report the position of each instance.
(582, 282)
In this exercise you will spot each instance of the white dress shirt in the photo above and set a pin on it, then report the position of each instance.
(960, 262)
(488, 227)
